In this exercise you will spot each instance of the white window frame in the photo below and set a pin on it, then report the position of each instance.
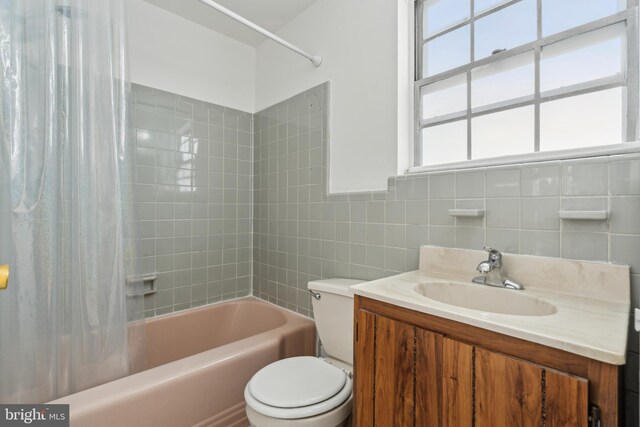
(629, 81)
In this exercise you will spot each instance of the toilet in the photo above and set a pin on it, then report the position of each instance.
(311, 391)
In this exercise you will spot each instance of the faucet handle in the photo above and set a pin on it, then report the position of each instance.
(495, 257)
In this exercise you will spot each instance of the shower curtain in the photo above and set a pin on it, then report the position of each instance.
(70, 317)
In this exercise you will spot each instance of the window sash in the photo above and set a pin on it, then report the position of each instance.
(628, 16)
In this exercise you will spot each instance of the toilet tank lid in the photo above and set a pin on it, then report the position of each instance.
(335, 286)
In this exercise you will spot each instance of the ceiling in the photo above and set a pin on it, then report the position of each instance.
(269, 14)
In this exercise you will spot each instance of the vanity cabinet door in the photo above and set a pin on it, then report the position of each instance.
(457, 383)
(567, 400)
(513, 392)
(398, 373)
(487, 389)
(509, 392)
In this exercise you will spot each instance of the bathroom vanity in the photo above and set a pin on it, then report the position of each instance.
(433, 349)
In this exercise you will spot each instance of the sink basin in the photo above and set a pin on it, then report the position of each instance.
(485, 298)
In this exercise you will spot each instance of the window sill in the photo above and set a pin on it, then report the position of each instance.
(578, 153)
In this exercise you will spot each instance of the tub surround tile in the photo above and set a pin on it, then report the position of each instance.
(188, 156)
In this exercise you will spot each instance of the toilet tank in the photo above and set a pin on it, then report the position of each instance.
(333, 314)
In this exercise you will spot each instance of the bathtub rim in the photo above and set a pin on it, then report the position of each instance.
(229, 301)
(138, 383)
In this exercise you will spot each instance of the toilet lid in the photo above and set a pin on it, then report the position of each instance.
(343, 398)
(296, 382)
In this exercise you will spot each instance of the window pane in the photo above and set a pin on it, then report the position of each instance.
(583, 58)
(445, 143)
(500, 81)
(560, 15)
(502, 134)
(480, 6)
(582, 121)
(444, 97)
(446, 52)
(512, 26)
(441, 14)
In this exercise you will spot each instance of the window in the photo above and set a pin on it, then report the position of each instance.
(500, 77)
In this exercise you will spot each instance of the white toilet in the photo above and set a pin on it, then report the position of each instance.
(311, 391)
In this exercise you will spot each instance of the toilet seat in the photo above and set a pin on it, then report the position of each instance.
(298, 387)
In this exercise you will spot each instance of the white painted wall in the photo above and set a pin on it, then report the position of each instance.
(170, 53)
(358, 41)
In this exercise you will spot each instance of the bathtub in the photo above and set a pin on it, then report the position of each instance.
(198, 363)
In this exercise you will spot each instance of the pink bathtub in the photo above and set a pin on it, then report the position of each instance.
(198, 362)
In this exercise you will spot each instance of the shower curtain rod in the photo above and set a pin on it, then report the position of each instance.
(315, 59)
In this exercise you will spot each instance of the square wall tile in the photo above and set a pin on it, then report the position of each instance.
(416, 236)
(395, 235)
(540, 243)
(469, 238)
(507, 241)
(417, 188)
(376, 234)
(540, 213)
(625, 249)
(441, 185)
(442, 236)
(503, 213)
(376, 212)
(439, 212)
(625, 215)
(395, 212)
(417, 212)
(625, 175)
(470, 184)
(588, 177)
(585, 246)
(541, 179)
(503, 182)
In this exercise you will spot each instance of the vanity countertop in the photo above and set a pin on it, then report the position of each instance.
(591, 299)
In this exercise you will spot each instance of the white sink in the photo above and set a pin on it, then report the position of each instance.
(485, 298)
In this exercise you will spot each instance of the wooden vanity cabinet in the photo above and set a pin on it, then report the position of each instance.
(414, 369)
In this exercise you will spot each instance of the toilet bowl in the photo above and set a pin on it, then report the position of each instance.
(311, 391)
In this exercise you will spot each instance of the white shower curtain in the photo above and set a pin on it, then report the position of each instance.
(68, 319)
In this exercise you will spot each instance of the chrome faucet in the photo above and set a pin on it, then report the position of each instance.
(492, 274)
